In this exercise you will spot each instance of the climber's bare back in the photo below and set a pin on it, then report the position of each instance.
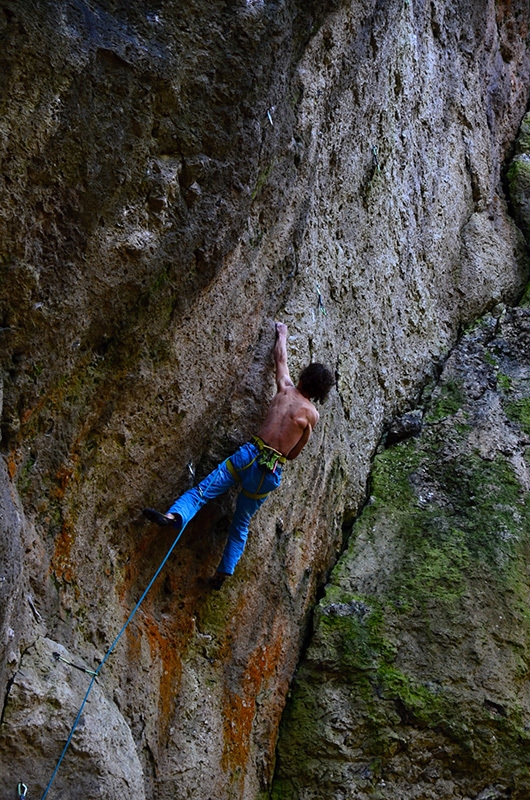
(291, 416)
(289, 422)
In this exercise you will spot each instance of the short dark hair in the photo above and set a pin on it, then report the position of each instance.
(316, 380)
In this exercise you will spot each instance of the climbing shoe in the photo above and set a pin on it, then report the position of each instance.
(217, 580)
(160, 519)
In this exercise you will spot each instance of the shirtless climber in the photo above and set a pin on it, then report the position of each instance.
(257, 465)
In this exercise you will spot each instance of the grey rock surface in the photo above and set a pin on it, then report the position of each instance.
(11, 588)
(44, 700)
(415, 683)
(174, 178)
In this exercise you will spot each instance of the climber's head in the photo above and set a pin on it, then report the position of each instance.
(315, 381)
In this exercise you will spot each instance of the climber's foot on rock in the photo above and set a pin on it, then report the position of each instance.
(217, 580)
(175, 520)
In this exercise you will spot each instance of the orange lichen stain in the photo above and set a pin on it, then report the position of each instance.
(134, 644)
(54, 398)
(167, 639)
(63, 475)
(26, 415)
(131, 576)
(61, 563)
(12, 465)
(239, 707)
(165, 644)
(164, 620)
(511, 26)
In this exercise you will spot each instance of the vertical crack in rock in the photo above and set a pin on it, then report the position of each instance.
(6, 698)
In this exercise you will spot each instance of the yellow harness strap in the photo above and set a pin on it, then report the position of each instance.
(235, 474)
(232, 470)
(260, 444)
(254, 496)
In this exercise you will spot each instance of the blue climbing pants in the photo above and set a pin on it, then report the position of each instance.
(254, 480)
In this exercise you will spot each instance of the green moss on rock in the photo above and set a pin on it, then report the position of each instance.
(519, 178)
(449, 400)
(434, 584)
(519, 412)
(523, 142)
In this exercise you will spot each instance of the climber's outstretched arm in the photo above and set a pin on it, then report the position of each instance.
(283, 379)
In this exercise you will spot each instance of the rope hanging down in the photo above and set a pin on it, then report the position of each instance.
(107, 654)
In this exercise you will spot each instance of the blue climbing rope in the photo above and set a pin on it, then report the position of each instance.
(107, 654)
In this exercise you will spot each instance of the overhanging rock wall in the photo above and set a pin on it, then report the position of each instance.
(173, 180)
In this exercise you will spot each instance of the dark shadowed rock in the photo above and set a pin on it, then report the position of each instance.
(409, 424)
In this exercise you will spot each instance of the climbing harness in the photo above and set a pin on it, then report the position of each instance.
(100, 667)
(235, 474)
(268, 458)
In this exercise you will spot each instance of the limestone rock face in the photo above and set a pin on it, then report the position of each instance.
(11, 566)
(175, 176)
(416, 680)
(44, 700)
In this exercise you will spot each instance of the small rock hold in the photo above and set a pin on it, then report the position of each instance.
(192, 193)
(408, 425)
(157, 203)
